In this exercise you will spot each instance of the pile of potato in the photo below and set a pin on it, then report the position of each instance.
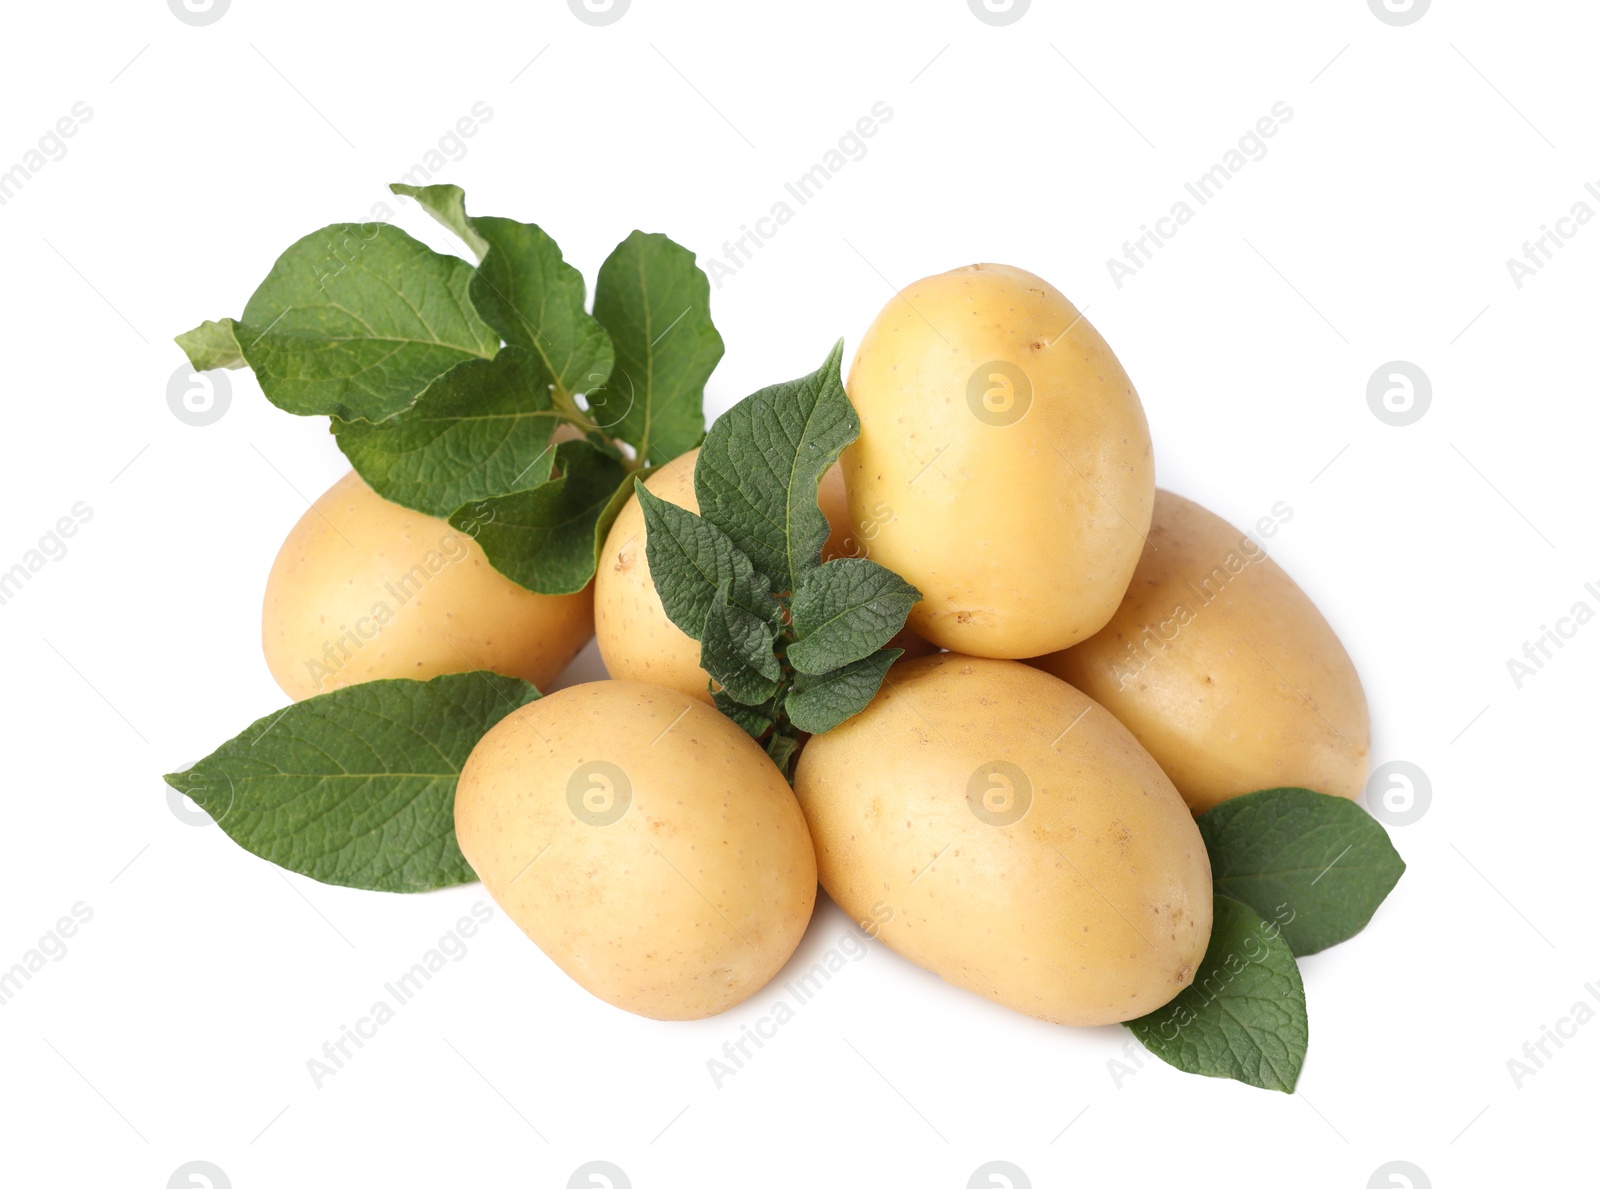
(1014, 813)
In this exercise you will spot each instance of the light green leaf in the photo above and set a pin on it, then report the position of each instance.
(357, 786)
(820, 703)
(1319, 865)
(211, 345)
(845, 610)
(356, 320)
(690, 559)
(447, 204)
(1244, 1016)
(609, 513)
(656, 305)
(758, 471)
(543, 538)
(479, 431)
(535, 299)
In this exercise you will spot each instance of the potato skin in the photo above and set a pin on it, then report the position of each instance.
(1021, 532)
(1093, 907)
(637, 640)
(684, 905)
(365, 589)
(1223, 668)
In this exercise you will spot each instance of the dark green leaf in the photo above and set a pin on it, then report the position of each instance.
(820, 703)
(448, 204)
(845, 610)
(535, 299)
(357, 786)
(1244, 1016)
(690, 559)
(754, 721)
(211, 345)
(656, 305)
(757, 475)
(736, 649)
(481, 430)
(356, 320)
(543, 538)
(782, 748)
(1320, 865)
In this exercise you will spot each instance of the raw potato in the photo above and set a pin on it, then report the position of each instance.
(364, 589)
(1005, 459)
(679, 875)
(1224, 669)
(637, 640)
(996, 826)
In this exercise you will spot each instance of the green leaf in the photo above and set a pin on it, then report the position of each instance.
(656, 305)
(357, 786)
(758, 471)
(845, 610)
(535, 299)
(356, 320)
(480, 430)
(211, 345)
(691, 559)
(448, 204)
(755, 721)
(543, 538)
(1320, 865)
(1244, 1016)
(609, 513)
(736, 649)
(782, 749)
(820, 703)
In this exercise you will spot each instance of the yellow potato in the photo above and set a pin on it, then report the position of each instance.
(998, 827)
(1004, 461)
(1224, 669)
(646, 844)
(637, 640)
(364, 589)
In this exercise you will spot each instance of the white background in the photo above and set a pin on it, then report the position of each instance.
(179, 1023)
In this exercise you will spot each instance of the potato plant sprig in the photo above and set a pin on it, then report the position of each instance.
(446, 381)
(796, 645)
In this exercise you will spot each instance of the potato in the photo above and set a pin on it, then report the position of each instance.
(996, 826)
(1004, 461)
(1222, 667)
(364, 589)
(646, 844)
(637, 640)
